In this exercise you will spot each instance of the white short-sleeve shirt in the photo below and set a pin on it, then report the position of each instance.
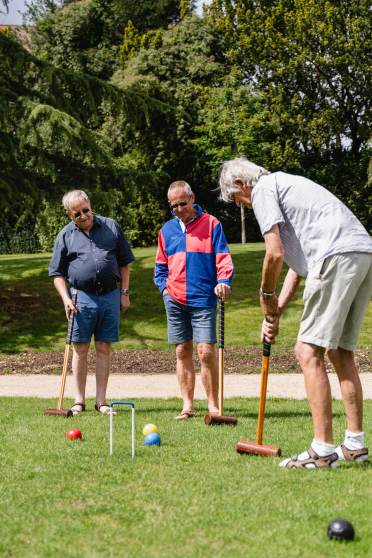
(313, 223)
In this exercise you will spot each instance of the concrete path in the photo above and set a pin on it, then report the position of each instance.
(165, 386)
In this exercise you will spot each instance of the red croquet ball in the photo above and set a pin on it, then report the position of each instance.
(74, 434)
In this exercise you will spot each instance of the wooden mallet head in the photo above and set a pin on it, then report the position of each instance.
(59, 413)
(219, 419)
(263, 450)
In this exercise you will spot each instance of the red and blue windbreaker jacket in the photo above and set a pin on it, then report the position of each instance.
(190, 264)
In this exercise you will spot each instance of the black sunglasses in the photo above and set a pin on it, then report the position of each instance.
(180, 204)
(77, 214)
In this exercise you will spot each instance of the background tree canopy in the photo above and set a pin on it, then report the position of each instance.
(122, 97)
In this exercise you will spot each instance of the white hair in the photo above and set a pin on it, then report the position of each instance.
(241, 168)
(180, 185)
(71, 196)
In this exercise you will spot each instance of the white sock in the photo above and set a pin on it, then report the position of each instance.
(354, 440)
(322, 448)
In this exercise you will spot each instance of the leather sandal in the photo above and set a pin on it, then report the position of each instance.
(77, 411)
(359, 456)
(99, 408)
(312, 461)
(185, 414)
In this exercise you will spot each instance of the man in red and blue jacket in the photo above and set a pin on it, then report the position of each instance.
(193, 267)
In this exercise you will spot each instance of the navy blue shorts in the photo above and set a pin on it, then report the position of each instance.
(190, 322)
(97, 315)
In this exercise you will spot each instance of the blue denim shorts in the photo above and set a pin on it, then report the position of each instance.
(97, 315)
(187, 323)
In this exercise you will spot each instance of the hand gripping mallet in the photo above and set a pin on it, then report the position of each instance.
(258, 448)
(220, 418)
(59, 411)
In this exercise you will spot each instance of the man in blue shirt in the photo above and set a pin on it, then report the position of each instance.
(92, 255)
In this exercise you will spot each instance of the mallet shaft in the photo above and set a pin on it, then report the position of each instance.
(67, 352)
(263, 390)
(221, 354)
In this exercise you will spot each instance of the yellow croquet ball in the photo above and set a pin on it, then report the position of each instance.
(148, 428)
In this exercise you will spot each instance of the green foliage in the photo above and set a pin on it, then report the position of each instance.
(131, 43)
(50, 219)
(18, 241)
(233, 120)
(186, 8)
(310, 60)
(85, 36)
(133, 40)
(284, 82)
(178, 71)
(52, 128)
(139, 215)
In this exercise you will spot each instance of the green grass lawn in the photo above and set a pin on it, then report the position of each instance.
(32, 317)
(192, 497)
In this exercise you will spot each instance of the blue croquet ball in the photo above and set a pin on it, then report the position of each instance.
(341, 530)
(152, 439)
(148, 428)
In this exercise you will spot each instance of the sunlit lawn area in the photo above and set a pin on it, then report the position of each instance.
(31, 315)
(193, 497)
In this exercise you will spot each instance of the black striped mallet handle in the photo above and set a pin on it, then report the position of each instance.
(221, 353)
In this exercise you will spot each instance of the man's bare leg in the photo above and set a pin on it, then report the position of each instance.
(318, 390)
(79, 370)
(351, 387)
(186, 374)
(209, 374)
(103, 361)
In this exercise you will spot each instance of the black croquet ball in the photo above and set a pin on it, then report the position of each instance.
(341, 530)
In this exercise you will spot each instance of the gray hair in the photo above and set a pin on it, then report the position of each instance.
(71, 196)
(239, 167)
(180, 185)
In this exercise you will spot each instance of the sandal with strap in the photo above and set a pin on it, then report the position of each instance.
(185, 414)
(345, 454)
(310, 461)
(77, 411)
(107, 411)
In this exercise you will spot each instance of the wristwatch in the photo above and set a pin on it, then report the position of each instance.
(124, 292)
(266, 295)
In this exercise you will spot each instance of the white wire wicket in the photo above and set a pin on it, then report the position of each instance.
(111, 415)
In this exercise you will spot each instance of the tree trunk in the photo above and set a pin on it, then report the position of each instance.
(242, 220)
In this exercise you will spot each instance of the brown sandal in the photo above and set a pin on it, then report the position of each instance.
(76, 411)
(313, 461)
(185, 414)
(359, 456)
(98, 407)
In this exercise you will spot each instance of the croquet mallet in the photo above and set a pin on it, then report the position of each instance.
(258, 448)
(59, 411)
(220, 418)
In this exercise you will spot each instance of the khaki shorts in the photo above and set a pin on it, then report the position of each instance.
(336, 296)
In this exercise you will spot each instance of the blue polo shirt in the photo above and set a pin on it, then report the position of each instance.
(91, 262)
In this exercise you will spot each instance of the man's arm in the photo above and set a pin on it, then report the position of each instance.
(270, 329)
(272, 266)
(124, 286)
(61, 286)
(224, 263)
(161, 264)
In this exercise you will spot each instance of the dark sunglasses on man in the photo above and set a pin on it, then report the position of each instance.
(77, 214)
(180, 204)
